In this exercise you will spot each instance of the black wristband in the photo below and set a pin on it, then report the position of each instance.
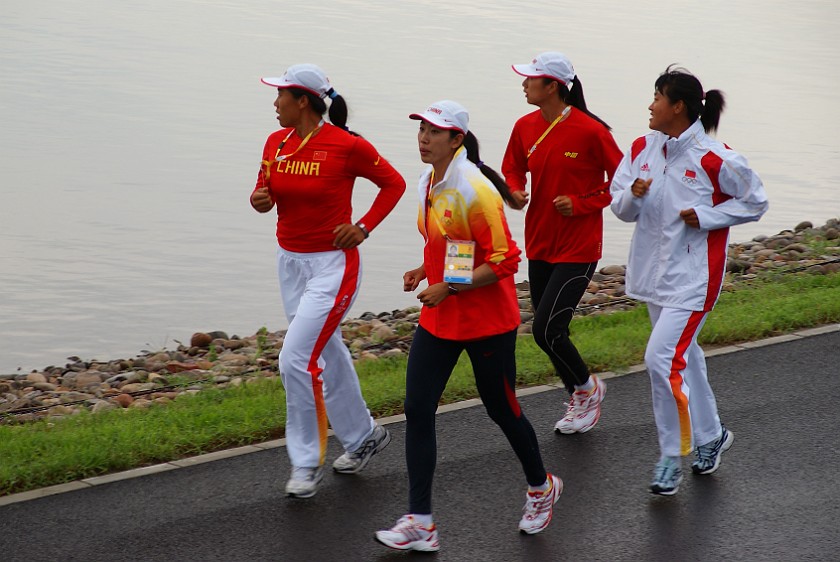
(453, 290)
(363, 228)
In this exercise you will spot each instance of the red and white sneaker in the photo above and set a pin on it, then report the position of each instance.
(539, 507)
(408, 534)
(566, 424)
(584, 409)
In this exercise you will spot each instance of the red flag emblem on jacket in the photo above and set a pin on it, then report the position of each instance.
(320, 155)
(690, 174)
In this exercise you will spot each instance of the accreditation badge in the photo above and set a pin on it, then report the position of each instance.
(459, 260)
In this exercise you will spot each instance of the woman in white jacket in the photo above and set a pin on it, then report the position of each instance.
(683, 189)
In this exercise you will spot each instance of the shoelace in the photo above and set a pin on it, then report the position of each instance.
(411, 530)
(364, 449)
(302, 473)
(570, 408)
(706, 453)
(538, 502)
(662, 472)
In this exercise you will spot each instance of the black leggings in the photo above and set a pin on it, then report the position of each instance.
(556, 290)
(430, 364)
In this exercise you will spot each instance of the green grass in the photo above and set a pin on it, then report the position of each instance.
(51, 452)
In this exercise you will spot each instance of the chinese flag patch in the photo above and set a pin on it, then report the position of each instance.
(690, 174)
(320, 155)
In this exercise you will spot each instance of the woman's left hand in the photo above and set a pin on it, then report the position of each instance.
(434, 294)
(689, 216)
(563, 205)
(348, 236)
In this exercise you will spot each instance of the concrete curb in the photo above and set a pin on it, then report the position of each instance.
(228, 453)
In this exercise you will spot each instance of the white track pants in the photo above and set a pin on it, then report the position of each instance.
(684, 405)
(315, 365)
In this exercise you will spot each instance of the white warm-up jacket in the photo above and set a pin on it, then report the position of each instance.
(672, 264)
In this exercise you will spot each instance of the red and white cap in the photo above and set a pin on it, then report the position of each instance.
(554, 65)
(445, 114)
(304, 76)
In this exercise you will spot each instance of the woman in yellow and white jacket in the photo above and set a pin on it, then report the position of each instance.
(469, 305)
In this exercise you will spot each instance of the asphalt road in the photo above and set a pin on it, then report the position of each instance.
(775, 497)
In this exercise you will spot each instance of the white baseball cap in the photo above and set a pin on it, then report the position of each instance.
(445, 114)
(304, 76)
(556, 66)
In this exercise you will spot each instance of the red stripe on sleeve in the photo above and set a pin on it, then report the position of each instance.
(638, 145)
(711, 164)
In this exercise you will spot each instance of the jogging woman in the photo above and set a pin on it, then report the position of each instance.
(570, 156)
(469, 305)
(307, 174)
(683, 189)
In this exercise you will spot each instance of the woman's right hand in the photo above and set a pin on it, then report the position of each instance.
(520, 199)
(411, 279)
(640, 187)
(261, 200)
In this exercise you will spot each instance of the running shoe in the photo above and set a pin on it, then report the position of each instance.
(708, 455)
(354, 461)
(566, 424)
(584, 410)
(539, 507)
(408, 534)
(304, 481)
(666, 478)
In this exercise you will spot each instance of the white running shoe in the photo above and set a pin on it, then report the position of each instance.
(588, 409)
(539, 507)
(566, 424)
(304, 481)
(584, 409)
(408, 534)
(354, 461)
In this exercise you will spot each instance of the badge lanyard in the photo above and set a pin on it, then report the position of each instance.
(539, 140)
(283, 157)
(459, 255)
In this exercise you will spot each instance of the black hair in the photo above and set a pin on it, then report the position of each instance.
(574, 96)
(678, 84)
(470, 144)
(338, 107)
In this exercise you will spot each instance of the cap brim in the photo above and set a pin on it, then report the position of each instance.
(432, 121)
(275, 82)
(282, 83)
(528, 71)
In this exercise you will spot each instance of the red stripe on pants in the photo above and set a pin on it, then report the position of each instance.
(342, 302)
(678, 363)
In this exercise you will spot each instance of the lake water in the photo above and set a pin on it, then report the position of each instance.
(130, 136)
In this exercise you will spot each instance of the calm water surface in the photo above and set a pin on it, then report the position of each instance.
(130, 138)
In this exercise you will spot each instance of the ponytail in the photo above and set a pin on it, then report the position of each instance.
(337, 111)
(470, 144)
(574, 97)
(712, 108)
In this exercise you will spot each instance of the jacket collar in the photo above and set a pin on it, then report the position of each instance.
(459, 158)
(674, 146)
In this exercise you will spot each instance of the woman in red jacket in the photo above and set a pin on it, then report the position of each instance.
(469, 305)
(307, 174)
(571, 157)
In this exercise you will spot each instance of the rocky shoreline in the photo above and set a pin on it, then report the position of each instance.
(214, 359)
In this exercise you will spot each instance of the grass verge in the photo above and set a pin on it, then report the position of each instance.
(52, 452)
